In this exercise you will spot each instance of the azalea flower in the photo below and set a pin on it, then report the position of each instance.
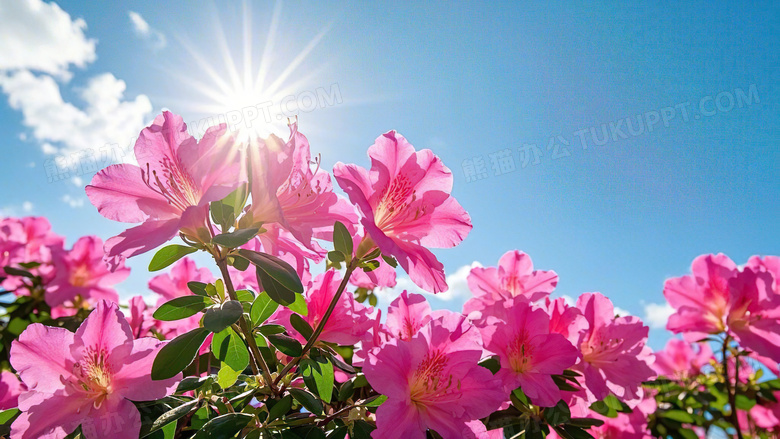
(24, 240)
(614, 356)
(701, 299)
(406, 206)
(348, 322)
(87, 378)
(528, 352)
(769, 264)
(174, 283)
(433, 381)
(514, 276)
(10, 389)
(171, 188)
(381, 277)
(679, 360)
(754, 312)
(286, 191)
(82, 275)
(564, 319)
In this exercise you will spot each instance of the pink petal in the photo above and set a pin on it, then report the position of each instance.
(398, 420)
(41, 355)
(134, 379)
(104, 330)
(141, 239)
(118, 419)
(47, 416)
(120, 194)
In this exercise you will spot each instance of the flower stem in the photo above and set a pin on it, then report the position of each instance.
(321, 325)
(731, 392)
(246, 330)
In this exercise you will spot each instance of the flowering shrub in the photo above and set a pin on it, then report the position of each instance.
(267, 349)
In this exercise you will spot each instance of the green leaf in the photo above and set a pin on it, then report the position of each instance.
(318, 376)
(307, 400)
(376, 401)
(557, 415)
(390, 261)
(678, 415)
(237, 199)
(245, 296)
(276, 291)
(346, 391)
(178, 354)
(336, 256)
(361, 430)
(235, 238)
(11, 271)
(168, 255)
(275, 268)
(342, 240)
(239, 263)
(373, 254)
(229, 348)
(224, 427)
(279, 408)
(299, 305)
(7, 415)
(262, 308)
(302, 326)
(369, 265)
(227, 376)
(198, 288)
(192, 383)
(174, 414)
(271, 329)
(286, 344)
(181, 308)
(223, 315)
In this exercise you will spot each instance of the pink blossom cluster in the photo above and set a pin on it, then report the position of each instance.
(69, 279)
(441, 370)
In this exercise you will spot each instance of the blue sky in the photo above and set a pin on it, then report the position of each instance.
(469, 81)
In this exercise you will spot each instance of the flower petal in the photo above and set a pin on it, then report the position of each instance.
(42, 355)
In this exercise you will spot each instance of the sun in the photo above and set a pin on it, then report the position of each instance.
(247, 94)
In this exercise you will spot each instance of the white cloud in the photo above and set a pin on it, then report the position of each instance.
(141, 27)
(621, 312)
(42, 37)
(568, 299)
(106, 118)
(17, 210)
(72, 202)
(656, 314)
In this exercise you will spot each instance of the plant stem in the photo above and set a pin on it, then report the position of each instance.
(731, 393)
(321, 325)
(246, 330)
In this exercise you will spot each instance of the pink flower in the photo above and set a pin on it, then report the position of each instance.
(514, 276)
(754, 312)
(349, 321)
(433, 382)
(701, 299)
(81, 273)
(24, 240)
(174, 284)
(770, 264)
(170, 191)
(565, 320)
(407, 314)
(382, 276)
(10, 389)
(286, 191)
(678, 360)
(614, 356)
(140, 318)
(625, 426)
(766, 415)
(529, 353)
(87, 378)
(406, 206)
